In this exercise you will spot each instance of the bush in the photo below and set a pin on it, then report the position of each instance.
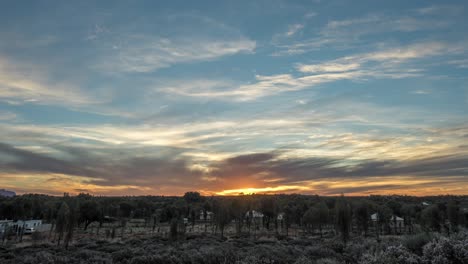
(415, 243)
(391, 255)
(444, 250)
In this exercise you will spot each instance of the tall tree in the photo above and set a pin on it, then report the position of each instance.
(453, 212)
(72, 218)
(222, 215)
(343, 218)
(361, 213)
(61, 222)
(89, 212)
(431, 218)
(193, 197)
(269, 210)
(322, 215)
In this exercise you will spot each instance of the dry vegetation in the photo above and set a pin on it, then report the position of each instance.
(87, 229)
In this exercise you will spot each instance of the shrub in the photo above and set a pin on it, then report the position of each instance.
(444, 250)
(415, 243)
(391, 255)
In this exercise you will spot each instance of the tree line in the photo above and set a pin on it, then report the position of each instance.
(341, 216)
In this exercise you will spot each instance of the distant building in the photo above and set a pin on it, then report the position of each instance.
(425, 204)
(28, 223)
(6, 193)
(209, 215)
(254, 214)
(26, 226)
(5, 224)
(398, 221)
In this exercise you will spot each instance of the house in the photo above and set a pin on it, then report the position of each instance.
(254, 214)
(398, 221)
(209, 215)
(425, 204)
(29, 226)
(5, 224)
(28, 223)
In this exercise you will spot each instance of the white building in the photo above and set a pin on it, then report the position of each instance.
(209, 215)
(400, 222)
(5, 224)
(29, 223)
(254, 214)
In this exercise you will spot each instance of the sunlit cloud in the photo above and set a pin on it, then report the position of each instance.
(29, 84)
(276, 189)
(382, 64)
(224, 99)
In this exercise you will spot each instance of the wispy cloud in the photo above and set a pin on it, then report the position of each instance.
(293, 29)
(147, 54)
(7, 116)
(346, 33)
(327, 67)
(386, 63)
(29, 83)
(200, 39)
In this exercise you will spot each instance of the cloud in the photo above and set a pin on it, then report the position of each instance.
(333, 176)
(29, 83)
(7, 116)
(327, 67)
(444, 10)
(386, 63)
(347, 33)
(172, 160)
(148, 54)
(421, 92)
(276, 171)
(192, 38)
(293, 29)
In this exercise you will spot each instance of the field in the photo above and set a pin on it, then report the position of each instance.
(291, 229)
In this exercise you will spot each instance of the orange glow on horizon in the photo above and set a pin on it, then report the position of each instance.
(57, 184)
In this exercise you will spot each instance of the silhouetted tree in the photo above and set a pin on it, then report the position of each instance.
(71, 222)
(343, 218)
(61, 222)
(89, 212)
(453, 211)
(432, 218)
(361, 213)
(193, 197)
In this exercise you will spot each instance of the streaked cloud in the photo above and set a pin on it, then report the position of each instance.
(147, 54)
(347, 33)
(200, 39)
(293, 29)
(30, 83)
(386, 63)
(159, 98)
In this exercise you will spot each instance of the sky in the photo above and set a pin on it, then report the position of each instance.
(230, 97)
